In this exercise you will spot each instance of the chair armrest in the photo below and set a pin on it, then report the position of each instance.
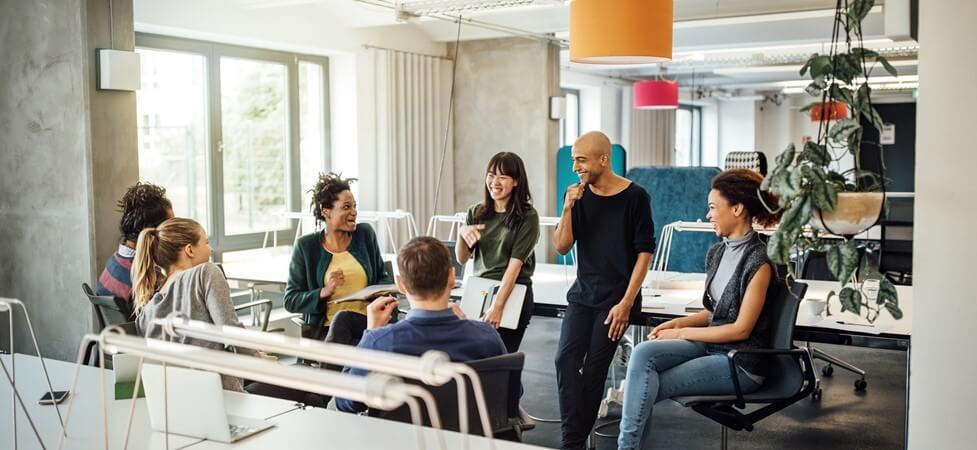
(796, 353)
(261, 302)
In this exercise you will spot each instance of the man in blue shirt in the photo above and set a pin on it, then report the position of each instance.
(427, 277)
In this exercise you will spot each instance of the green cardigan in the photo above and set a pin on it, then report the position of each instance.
(308, 269)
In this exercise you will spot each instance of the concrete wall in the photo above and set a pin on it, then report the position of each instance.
(114, 151)
(47, 104)
(941, 386)
(502, 93)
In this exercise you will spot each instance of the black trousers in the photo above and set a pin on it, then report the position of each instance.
(513, 338)
(583, 357)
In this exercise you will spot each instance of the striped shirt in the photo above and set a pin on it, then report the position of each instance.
(116, 280)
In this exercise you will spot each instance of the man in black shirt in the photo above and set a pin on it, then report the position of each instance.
(609, 218)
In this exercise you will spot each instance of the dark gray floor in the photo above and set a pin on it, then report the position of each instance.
(843, 418)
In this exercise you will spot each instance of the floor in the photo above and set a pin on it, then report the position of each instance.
(843, 418)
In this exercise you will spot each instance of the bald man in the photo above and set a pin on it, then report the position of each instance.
(609, 219)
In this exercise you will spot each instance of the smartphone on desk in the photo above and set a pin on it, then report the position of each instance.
(59, 396)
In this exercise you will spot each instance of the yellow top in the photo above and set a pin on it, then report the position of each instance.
(355, 279)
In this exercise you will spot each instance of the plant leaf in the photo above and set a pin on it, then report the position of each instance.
(887, 292)
(842, 129)
(796, 217)
(815, 153)
(816, 87)
(894, 310)
(807, 64)
(841, 93)
(862, 52)
(842, 260)
(846, 67)
(786, 157)
(778, 247)
(858, 9)
(888, 67)
(820, 65)
(873, 116)
(851, 300)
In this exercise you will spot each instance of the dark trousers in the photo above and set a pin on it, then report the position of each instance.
(582, 360)
(513, 338)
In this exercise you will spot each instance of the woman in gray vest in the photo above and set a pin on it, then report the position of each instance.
(687, 356)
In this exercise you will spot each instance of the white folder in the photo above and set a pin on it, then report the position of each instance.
(479, 295)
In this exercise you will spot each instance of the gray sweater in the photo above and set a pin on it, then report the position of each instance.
(200, 293)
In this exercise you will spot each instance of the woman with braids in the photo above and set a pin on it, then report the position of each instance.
(687, 356)
(341, 259)
(500, 233)
(143, 205)
(170, 273)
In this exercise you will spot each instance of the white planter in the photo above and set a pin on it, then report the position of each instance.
(855, 213)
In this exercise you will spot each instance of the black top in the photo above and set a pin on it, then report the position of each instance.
(610, 232)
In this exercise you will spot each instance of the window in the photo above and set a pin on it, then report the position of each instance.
(236, 135)
(570, 123)
(688, 136)
(173, 146)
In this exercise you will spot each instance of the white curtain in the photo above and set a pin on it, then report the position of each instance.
(652, 138)
(412, 96)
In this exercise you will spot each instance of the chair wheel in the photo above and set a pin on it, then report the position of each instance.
(816, 394)
(828, 370)
(860, 385)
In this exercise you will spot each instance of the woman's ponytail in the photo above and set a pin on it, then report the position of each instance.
(145, 274)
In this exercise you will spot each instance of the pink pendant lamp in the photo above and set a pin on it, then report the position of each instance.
(656, 94)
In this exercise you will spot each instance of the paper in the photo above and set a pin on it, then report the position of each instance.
(368, 293)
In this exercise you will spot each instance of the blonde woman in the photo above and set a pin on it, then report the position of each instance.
(171, 272)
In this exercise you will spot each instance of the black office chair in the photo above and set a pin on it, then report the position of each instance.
(107, 310)
(500, 377)
(791, 371)
(815, 267)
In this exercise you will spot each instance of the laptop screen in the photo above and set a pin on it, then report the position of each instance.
(459, 269)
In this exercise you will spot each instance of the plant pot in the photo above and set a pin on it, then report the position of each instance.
(855, 213)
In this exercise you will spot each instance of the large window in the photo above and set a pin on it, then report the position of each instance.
(236, 135)
(688, 136)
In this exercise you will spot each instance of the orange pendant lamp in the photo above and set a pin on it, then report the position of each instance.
(829, 111)
(620, 31)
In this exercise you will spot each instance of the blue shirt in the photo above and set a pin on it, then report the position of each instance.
(423, 330)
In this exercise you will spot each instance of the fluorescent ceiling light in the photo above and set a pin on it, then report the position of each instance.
(761, 18)
(796, 68)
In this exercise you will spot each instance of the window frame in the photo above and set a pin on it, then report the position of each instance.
(212, 52)
(695, 123)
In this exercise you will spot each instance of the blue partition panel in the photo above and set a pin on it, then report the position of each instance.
(679, 193)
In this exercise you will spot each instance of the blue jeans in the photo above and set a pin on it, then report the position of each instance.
(659, 370)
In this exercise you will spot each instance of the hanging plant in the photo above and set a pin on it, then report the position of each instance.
(816, 195)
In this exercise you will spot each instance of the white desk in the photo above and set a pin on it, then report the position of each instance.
(266, 269)
(85, 430)
(296, 428)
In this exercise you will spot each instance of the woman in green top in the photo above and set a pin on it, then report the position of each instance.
(341, 259)
(500, 233)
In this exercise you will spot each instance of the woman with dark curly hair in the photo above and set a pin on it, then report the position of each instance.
(341, 259)
(687, 356)
(144, 205)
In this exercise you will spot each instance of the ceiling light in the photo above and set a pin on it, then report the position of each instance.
(620, 31)
(655, 94)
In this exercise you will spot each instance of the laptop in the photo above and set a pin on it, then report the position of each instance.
(459, 268)
(196, 405)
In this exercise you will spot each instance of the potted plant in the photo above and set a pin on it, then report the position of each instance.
(816, 195)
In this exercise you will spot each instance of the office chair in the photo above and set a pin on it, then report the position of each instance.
(755, 161)
(500, 376)
(107, 311)
(815, 267)
(791, 371)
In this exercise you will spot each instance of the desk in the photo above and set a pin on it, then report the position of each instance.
(888, 333)
(295, 427)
